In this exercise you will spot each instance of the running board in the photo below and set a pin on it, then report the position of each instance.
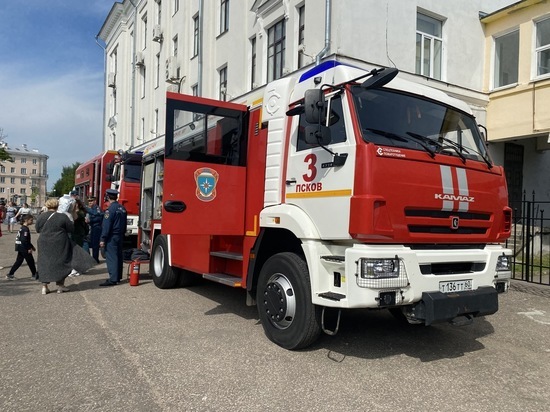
(228, 280)
(227, 255)
(332, 296)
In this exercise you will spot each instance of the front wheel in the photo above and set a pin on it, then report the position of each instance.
(286, 312)
(164, 276)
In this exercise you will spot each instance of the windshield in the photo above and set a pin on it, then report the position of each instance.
(391, 118)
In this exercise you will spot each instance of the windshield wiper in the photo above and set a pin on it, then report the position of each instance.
(394, 136)
(441, 147)
(467, 150)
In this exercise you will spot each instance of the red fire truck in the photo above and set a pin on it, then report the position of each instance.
(116, 170)
(340, 187)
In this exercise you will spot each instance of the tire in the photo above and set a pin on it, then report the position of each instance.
(283, 297)
(164, 276)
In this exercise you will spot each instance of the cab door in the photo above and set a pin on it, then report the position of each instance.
(204, 167)
(313, 182)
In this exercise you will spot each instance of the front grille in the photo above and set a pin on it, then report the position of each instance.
(451, 268)
(439, 222)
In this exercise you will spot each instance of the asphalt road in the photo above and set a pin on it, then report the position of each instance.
(140, 348)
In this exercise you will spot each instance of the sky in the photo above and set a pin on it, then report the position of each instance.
(51, 78)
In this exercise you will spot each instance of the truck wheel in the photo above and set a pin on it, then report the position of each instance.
(288, 316)
(164, 276)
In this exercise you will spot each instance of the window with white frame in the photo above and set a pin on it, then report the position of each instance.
(23, 170)
(159, 11)
(33, 172)
(276, 50)
(157, 70)
(12, 170)
(223, 83)
(12, 180)
(176, 6)
(143, 73)
(506, 59)
(253, 58)
(195, 90)
(144, 31)
(195, 36)
(429, 46)
(175, 45)
(542, 46)
(34, 161)
(2, 169)
(224, 16)
(23, 181)
(23, 160)
(301, 35)
(2, 179)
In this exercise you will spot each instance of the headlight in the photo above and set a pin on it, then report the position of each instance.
(504, 263)
(379, 268)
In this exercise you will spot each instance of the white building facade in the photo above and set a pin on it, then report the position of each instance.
(223, 49)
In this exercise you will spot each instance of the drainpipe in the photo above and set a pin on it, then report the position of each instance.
(133, 115)
(201, 20)
(104, 90)
(323, 52)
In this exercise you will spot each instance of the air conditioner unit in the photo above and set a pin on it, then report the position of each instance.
(139, 59)
(172, 69)
(157, 33)
(111, 79)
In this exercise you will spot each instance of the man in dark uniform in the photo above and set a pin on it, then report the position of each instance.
(95, 220)
(112, 237)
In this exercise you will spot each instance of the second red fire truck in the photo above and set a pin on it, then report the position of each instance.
(335, 188)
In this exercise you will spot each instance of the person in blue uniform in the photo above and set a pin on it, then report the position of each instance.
(112, 237)
(95, 220)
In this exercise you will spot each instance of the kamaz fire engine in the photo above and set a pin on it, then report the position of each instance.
(116, 170)
(335, 188)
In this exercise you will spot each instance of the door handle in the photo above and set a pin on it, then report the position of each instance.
(174, 206)
(291, 181)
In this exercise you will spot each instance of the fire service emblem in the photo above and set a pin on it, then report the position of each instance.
(206, 180)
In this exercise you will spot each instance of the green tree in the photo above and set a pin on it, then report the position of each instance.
(4, 155)
(66, 181)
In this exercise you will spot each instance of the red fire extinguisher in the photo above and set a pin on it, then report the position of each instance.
(134, 273)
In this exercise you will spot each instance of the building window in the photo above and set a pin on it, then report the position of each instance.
(23, 160)
(2, 169)
(224, 16)
(157, 121)
(12, 180)
(175, 46)
(34, 161)
(506, 59)
(223, 83)
(542, 48)
(23, 181)
(195, 36)
(301, 35)
(176, 6)
(253, 83)
(159, 11)
(144, 31)
(429, 45)
(143, 72)
(12, 170)
(142, 124)
(22, 190)
(276, 51)
(23, 170)
(2, 179)
(195, 90)
(157, 70)
(33, 172)
(2, 190)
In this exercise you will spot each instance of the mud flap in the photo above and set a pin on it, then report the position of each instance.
(436, 307)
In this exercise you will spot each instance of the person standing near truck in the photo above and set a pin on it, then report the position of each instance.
(95, 219)
(112, 237)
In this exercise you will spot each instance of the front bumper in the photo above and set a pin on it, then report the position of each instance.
(436, 307)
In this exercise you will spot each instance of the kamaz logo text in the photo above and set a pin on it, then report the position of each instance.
(453, 198)
(455, 194)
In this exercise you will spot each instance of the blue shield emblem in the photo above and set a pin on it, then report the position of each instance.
(206, 180)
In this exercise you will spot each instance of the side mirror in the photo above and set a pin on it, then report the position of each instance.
(317, 135)
(314, 103)
(380, 77)
(109, 168)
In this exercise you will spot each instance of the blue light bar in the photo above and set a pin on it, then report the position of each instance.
(319, 69)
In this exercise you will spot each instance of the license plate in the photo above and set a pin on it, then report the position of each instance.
(455, 286)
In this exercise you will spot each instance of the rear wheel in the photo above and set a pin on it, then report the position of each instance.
(164, 276)
(286, 312)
